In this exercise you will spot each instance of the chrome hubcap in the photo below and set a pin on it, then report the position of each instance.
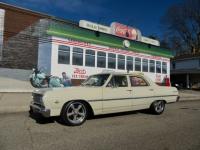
(76, 112)
(159, 106)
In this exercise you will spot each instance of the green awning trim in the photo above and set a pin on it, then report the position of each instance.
(84, 35)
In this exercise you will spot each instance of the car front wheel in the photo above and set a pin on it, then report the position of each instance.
(74, 113)
(158, 107)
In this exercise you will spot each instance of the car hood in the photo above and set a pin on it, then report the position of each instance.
(77, 88)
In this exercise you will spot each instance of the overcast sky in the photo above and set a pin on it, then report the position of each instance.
(142, 14)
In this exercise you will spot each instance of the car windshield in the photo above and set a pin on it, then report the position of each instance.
(95, 80)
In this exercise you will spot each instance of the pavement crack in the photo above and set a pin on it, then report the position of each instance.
(1, 95)
(27, 127)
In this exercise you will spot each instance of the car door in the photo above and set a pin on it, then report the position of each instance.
(142, 92)
(116, 94)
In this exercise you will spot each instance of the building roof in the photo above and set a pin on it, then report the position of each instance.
(34, 13)
(81, 34)
(69, 29)
(23, 10)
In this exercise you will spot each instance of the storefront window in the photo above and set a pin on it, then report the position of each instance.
(199, 62)
(111, 60)
(137, 64)
(158, 67)
(129, 63)
(152, 66)
(63, 54)
(101, 59)
(77, 56)
(145, 65)
(121, 62)
(89, 58)
(164, 67)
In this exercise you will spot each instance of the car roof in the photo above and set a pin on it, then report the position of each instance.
(134, 73)
(123, 73)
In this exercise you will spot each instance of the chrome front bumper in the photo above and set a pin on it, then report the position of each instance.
(37, 109)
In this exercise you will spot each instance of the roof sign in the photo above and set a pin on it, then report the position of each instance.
(94, 26)
(124, 31)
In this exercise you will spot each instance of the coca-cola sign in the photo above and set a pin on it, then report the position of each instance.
(123, 31)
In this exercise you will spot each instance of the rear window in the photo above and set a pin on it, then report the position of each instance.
(137, 81)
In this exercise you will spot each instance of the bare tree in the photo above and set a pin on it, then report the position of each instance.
(182, 24)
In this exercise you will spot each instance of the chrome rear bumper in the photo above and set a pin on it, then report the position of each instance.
(37, 109)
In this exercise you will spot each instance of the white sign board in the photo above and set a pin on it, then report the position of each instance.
(150, 41)
(94, 26)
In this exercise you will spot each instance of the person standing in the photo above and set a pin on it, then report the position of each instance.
(65, 80)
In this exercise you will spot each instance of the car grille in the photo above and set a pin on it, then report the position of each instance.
(37, 98)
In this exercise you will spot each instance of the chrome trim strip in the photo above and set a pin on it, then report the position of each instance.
(127, 98)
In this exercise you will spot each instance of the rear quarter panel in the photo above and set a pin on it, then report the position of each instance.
(169, 94)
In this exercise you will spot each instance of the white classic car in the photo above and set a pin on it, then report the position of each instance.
(101, 94)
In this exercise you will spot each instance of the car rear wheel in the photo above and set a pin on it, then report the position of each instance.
(158, 107)
(74, 113)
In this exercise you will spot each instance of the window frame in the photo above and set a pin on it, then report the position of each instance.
(101, 56)
(90, 55)
(163, 67)
(140, 63)
(147, 83)
(154, 66)
(64, 51)
(77, 53)
(111, 80)
(109, 58)
(128, 60)
(160, 67)
(120, 59)
(147, 67)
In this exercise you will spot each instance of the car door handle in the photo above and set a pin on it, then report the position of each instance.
(151, 89)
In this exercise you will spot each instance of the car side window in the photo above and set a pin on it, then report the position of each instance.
(118, 81)
(137, 81)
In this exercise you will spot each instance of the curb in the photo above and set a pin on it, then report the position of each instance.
(16, 90)
(189, 99)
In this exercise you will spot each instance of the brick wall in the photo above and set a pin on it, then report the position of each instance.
(20, 52)
(20, 48)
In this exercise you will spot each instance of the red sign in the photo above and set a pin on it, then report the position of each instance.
(79, 73)
(123, 31)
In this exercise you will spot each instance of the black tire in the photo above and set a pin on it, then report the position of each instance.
(157, 107)
(74, 113)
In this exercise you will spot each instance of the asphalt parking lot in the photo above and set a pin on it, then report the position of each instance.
(178, 128)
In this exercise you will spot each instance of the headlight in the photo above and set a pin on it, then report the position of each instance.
(37, 98)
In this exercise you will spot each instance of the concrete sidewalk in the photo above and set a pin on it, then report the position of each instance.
(187, 95)
(8, 85)
(15, 80)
